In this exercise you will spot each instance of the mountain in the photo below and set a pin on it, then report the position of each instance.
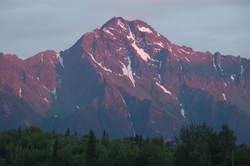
(125, 78)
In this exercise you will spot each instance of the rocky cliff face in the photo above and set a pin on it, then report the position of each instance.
(125, 78)
(25, 87)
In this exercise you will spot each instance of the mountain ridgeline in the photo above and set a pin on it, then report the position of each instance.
(127, 79)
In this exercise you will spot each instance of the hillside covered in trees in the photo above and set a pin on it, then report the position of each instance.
(196, 145)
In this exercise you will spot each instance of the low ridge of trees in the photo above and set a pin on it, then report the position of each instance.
(196, 145)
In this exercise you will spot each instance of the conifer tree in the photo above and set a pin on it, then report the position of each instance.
(54, 155)
(104, 134)
(20, 132)
(67, 132)
(91, 149)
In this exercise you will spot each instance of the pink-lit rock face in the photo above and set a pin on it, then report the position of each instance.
(125, 78)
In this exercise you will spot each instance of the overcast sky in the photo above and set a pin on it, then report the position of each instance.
(31, 26)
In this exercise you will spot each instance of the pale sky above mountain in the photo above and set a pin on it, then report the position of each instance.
(28, 27)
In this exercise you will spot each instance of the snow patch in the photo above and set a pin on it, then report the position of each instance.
(119, 49)
(38, 79)
(130, 36)
(107, 31)
(187, 59)
(182, 111)
(127, 70)
(132, 125)
(99, 64)
(185, 51)
(44, 87)
(220, 66)
(77, 107)
(51, 91)
(159, 43)
(180, 66)
(54, 92)
(59, 81)
(163, 88)
(169, 48)
(214, 64)
(60, 60)
(42, 57)
(137, 76)
(121, 25)
(225, 83)
(144, 29)
(51, 62)
(141, 52)
(241, 69)
(160, 63)
(159, 77)
(20, 92)
(233, 77)
(224, 96)
(123, 101)
(45, 100)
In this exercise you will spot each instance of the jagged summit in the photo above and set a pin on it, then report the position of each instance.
(118, 20)
(127, 79)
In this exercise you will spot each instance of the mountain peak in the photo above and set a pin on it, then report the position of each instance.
(126, 78)
(122, 23)
(112, 20)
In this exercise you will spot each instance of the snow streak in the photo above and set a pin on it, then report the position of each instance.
(159, 44)
(45, 100)
(182, 111)
(20, 92)
(180, 66)
(42, 57)
(132, 125)
(129, 116)
(159, 77)
(187, 59)
(241, 69)
(233, 77)
(144, 29)
(99, 64)
(51, 62)
(54, 92)
(60, 60)
(164, 89)
(107, 31)
(214, 64)
(224, 96)
(45, 87)
(121, 25)
(139, 51)
(127, 70)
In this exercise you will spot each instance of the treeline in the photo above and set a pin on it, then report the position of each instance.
(196, 145)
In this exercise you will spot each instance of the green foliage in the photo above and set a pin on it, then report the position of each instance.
(196, 145)
(200, 145)
(91, 149)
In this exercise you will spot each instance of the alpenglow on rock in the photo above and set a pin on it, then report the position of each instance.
(127, 79)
